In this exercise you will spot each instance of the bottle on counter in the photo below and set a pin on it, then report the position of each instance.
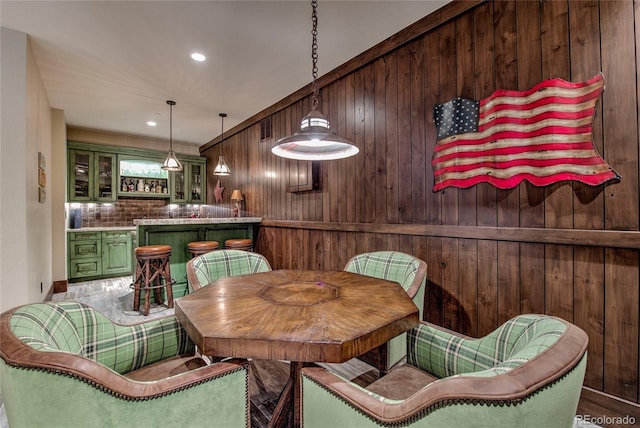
(140, 185)
(132, 187)
(123, 185)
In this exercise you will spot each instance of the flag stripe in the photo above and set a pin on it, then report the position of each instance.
(514, 180)
(505, 155)
(538, 135)
(514, 142)
(538, 163)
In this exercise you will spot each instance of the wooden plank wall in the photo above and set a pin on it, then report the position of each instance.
(568, 249)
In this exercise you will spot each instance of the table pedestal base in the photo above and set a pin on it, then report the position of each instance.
(289, 406)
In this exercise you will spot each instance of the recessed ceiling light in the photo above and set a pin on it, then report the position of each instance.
(151, 123)
(196, 56)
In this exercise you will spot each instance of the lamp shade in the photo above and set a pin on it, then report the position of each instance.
(221, 168)
(314, 141)
(236, 196)
(171, 163)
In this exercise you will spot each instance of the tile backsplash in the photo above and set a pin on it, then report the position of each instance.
(124, 211)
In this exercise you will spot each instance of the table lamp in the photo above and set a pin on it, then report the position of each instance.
(237, 196)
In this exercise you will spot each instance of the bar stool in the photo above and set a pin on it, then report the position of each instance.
(238, 244)
(152, 266)
(197, 248)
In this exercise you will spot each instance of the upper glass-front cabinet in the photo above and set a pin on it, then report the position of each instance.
(188, 185)
(92, 176)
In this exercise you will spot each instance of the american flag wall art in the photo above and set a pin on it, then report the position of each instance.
(542, 135)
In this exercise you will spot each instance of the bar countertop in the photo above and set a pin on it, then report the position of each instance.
(161, 221)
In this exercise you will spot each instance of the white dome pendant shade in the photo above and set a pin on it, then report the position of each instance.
(315, 140)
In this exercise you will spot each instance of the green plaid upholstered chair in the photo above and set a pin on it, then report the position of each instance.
(64, 365)
(206, 268)
(411, 273)
(527, 373)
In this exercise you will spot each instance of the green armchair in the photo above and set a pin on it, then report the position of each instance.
(64, 365)
(206, 268)
(527, 373)
(411, 273)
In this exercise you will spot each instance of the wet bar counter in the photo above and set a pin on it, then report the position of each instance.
(180, 231)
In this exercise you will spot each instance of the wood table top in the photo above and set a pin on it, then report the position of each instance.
(304, 316)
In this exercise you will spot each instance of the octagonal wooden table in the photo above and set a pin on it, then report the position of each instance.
(298, 316)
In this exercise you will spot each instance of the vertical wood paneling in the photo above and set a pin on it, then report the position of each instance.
(359, 197)
(486, 195)
(432, 96)
(350, 185)
(621, 323)
(589, 308)
(334, 177)
(419, 111)
(391, 138)
(621, 205)
(508, 200)
(369, 181)
(558, 197)
(386, 107)
(467, 198)
(379, 129)
(531, 212)
(448, 85)
(588, 204)
(404, 165)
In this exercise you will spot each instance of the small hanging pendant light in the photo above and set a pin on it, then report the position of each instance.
(314, 140)
(222, 168)
(171, 163)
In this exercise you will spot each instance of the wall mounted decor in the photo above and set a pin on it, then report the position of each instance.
(42, 178)
(542, 135)
(217, 192)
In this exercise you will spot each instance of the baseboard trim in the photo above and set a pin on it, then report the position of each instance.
(605, 409)
(60, 286)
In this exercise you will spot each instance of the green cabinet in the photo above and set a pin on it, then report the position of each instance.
(189, 185)
(99, 254)
(116, 252)
(91, 176)
(100, 173)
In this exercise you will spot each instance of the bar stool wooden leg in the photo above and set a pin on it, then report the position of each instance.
(153, 272)
(137, 289)
(169, 282)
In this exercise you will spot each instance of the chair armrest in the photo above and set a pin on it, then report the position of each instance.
(552, 364)
(102, 377)
(15, 353)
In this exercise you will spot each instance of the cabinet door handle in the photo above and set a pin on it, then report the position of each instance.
(83, 251)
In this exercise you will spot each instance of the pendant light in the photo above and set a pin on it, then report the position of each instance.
(222, 168)
(314, 140)
(171, 163)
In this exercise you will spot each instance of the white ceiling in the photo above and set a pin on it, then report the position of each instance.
(111, 65)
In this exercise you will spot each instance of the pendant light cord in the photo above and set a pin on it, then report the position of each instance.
(314, 54)
(222, 116)
(170, 124)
